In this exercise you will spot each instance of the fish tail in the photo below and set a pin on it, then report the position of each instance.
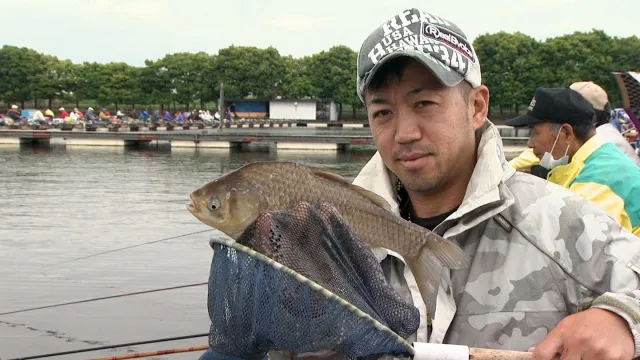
(427, 267)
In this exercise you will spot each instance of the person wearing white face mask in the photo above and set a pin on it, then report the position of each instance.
(563, 136)
(605, 128)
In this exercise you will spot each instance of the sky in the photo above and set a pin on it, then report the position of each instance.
(134, 30)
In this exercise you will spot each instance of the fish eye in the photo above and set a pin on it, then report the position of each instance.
(214, 203)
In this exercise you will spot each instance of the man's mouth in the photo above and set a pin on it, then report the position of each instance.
(413, 160)
(412, 156)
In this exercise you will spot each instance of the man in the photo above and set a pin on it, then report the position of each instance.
(38, 116)
(63, 113)
(105, 115)
(49, 115)
(599, 99)
(90, 115)
(538, 252)
(13, 113)
(562, 127)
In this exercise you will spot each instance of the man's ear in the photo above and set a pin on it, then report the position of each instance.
(567, 130)
(479, 105)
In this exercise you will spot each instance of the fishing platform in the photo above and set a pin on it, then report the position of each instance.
(311, 136)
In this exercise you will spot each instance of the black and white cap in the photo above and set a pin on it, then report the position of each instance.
(437, 43)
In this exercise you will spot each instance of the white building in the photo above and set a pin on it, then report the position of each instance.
(333, 111)
(292, 109)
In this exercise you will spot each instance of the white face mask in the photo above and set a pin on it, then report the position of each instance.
(549, 162)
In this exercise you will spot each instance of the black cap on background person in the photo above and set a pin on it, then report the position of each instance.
(556, 105)
(572, 119)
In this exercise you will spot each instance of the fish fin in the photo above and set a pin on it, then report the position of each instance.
(427, 271)
(427, 267)
(446, 251)
(373, 197)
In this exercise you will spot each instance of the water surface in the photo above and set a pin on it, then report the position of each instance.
(62, 203)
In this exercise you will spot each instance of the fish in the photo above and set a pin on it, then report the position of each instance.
(233, 201)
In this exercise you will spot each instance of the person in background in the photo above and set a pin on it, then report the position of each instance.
(90, 116)
(63, 113)
(104, 115)
(74, 115)
(144, 115)
(606, 126)
(134, 114)
(49, 115)
(155, 118)
(14, 114)
(563, 136)
(38, 116)
(167, 116)
(79, 114)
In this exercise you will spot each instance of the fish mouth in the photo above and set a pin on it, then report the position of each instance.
(191, 205)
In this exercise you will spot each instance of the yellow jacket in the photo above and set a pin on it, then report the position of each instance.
(603, 174)
(525, 160)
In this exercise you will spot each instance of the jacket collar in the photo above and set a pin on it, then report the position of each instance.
(564, 175)
(587, 149)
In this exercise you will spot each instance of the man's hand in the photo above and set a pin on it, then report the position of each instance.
(591, 334)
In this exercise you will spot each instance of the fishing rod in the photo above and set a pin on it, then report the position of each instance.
(102, 298)
(129, 247)
(111, 347)
(155, 353)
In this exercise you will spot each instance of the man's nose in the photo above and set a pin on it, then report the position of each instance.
(407, 127)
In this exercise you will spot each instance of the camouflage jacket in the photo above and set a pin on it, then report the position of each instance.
(538, 253)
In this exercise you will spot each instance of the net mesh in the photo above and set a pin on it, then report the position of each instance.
(332, 295)
(631, 85)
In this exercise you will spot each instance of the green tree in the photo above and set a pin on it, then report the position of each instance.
(333, 72)
(18, 67)
(88, 80)
(579, 57)
(154, 81)
(250, 71)
(187, 73)
(297, 82)
(509, 64)
(55, 79)
(513, 65)
(116, 84)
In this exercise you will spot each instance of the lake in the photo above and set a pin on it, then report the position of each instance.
(63, 203)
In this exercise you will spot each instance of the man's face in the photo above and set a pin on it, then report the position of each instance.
(424, 131)
(542, 137)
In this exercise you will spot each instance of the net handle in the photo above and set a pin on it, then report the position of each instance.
(432, 351)
(495, 354)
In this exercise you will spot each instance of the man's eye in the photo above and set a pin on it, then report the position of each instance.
(382, 113)
(424, 103)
